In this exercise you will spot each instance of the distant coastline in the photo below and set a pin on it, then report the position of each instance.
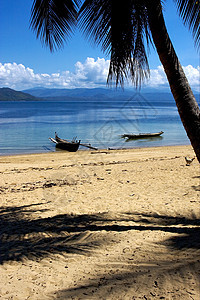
(82, 94)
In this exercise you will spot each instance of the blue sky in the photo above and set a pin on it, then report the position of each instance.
(25, 63)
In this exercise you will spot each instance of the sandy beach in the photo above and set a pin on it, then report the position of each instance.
(109, 224)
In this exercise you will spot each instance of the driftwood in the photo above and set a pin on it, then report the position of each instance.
(89, 146)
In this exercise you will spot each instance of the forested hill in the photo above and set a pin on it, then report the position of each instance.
(98, 94)
(7, 94)
(85, 94)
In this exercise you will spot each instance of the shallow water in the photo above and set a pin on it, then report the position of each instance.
(26, 126)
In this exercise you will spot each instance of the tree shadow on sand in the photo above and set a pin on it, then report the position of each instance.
(188, 228)
(151, 278)
(21, 236)
(24, 237)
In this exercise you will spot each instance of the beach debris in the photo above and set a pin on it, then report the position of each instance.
(31, 186)
(49, 184)
(155, 283)
(189, 160)
(99, 178)
(99, 152)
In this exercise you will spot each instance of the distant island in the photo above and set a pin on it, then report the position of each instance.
(7, 94)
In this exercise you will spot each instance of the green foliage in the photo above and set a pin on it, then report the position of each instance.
(189, 10)
(121, 28)
(7, 94)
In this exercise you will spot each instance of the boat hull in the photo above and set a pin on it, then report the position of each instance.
(142, 135)
(71, 147)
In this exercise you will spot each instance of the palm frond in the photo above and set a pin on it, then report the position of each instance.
(94, 16)
(121, 30)
(54, 20)
(189, 10)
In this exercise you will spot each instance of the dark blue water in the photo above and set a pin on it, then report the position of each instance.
(26, 126)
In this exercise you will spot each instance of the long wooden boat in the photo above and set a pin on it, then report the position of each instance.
(71, 146)
(142, 135)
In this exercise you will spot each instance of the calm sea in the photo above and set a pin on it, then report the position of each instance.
(25, 127)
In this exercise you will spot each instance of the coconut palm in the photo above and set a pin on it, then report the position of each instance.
(125, 31)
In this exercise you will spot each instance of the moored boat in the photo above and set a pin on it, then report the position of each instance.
(71, 146)
(142, 135)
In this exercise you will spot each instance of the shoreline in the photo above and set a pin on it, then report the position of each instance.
(106, 224)
(103, 149)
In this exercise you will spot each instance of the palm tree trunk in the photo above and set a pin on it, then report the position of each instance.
(186, 103)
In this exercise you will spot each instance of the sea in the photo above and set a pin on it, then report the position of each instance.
(25, 126)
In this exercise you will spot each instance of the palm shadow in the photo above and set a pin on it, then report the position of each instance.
(22, 236)
(186, 241)
(188, 228)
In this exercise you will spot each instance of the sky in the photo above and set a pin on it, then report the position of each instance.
(25, 63)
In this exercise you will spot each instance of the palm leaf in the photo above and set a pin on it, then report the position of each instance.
(53, 20)
(189, 10)
(121, 30)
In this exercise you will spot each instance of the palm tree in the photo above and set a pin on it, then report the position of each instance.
(125, 30)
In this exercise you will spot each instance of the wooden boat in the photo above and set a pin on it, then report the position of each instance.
(142, 135)
(71, 146)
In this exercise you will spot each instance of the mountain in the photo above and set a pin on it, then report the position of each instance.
(152, 95)
(78, 92)
(83, 93)
(100, 94)
(7, 94)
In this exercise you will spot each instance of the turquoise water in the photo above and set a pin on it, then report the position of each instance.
(26, 126)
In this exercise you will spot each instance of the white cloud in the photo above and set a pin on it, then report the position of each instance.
(91, 73)
(157, 77)
(193, 75)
